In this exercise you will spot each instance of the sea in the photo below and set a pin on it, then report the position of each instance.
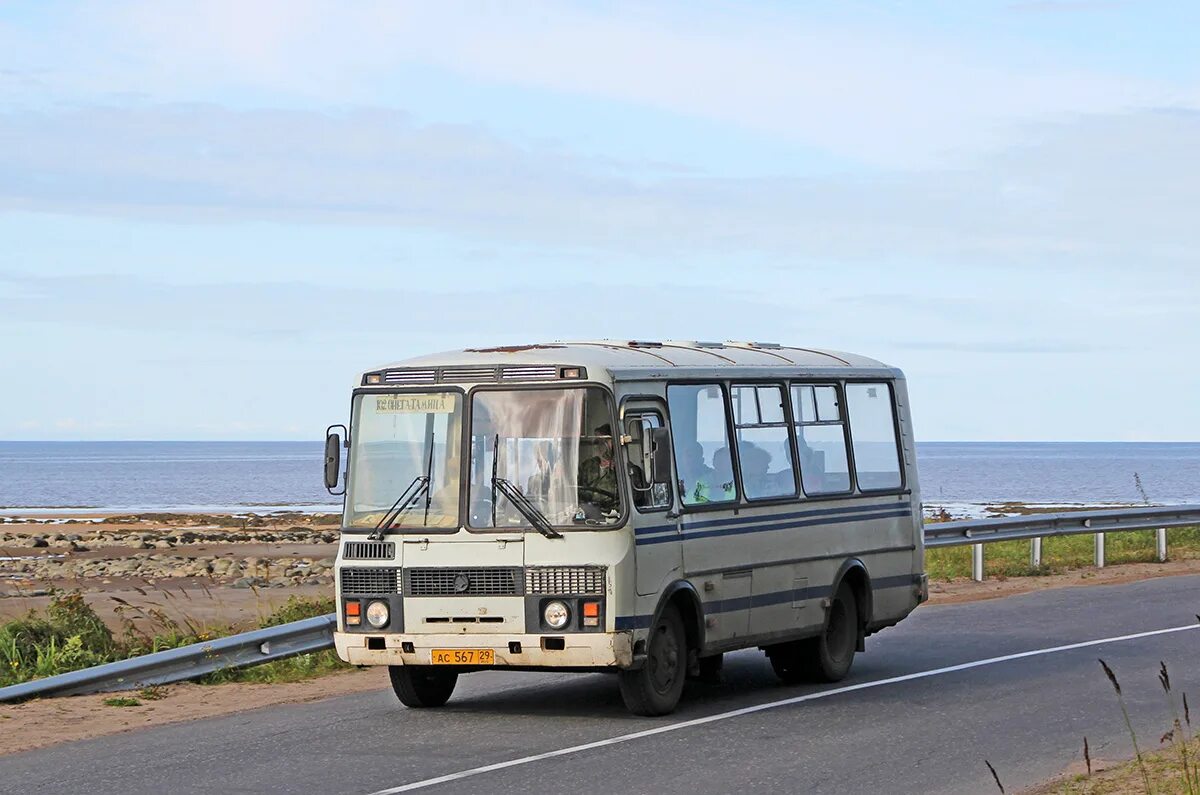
(263, 477)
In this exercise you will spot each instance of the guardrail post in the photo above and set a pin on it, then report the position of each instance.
(1099, 550)
(977, 562)
(1035, 553)
(1160, 543)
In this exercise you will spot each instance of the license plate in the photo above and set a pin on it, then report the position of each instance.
(464, 657)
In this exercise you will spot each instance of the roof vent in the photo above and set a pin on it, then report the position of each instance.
(765, 345)
(699, 344)
(452, 374)
(644, 344)
(410, 377)
(528, 372)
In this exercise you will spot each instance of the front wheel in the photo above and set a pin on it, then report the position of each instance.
(655, 688)
(421, 686)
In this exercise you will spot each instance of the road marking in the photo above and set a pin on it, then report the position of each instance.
(737, 713)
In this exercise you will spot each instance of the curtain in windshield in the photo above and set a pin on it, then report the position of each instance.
(555, 447)
(398, 440)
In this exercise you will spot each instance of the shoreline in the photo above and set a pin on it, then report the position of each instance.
(98, 512)
(955, 509)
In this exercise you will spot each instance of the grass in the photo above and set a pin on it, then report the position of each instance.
(122, 701)
(69, 635)
(1011, 558)
(1163, 768)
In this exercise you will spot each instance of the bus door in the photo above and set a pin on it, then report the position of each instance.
(655, 518)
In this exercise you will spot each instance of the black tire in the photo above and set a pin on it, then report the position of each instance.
(655, 688)
(791, 661)
(710, 669)
(827, 657)
(422, 686)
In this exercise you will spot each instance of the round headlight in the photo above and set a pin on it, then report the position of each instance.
(556, 615)
(377, 614)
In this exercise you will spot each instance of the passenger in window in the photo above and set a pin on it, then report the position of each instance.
(756, 463)
(598, 477)
(782, 482)
(695, 476)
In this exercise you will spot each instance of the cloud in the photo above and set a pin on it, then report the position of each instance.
(1097, 191)
(877, 91)
(271, 313)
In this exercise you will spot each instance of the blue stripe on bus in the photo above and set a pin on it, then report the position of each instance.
(717, 606)
(776, 523)
(660, 528)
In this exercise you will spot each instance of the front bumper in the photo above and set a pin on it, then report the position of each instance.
(580, 650)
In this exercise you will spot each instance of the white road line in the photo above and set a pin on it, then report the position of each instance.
(737, 713)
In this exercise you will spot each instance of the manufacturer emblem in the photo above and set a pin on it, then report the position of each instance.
(461, 583)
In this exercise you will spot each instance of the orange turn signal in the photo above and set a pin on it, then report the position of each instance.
(591, 609)
(353, 608)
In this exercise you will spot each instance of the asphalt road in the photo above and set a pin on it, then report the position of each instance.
(899, 723)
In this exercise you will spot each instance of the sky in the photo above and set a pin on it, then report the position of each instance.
(214, 215)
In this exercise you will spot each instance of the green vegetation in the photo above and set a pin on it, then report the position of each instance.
(290, 669)
(69, 636)
(1011, 558)
(122, 701)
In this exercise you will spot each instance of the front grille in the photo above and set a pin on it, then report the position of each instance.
(528, 372)
(565, 580)
(368, 582)
(369, 550)
(462, 582)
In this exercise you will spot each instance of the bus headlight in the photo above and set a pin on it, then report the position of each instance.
(556, 615)
(377, 614)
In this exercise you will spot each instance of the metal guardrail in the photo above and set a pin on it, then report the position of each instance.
(1035, 527)
(186, 662)
(315, 634)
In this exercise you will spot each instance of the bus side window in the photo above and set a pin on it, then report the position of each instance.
(700, 435)
(820, 439)
(646, 495)
(764, 445)
(873, 431)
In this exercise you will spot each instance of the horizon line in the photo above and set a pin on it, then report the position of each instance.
(321, 441)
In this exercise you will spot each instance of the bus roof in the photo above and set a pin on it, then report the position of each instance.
(623, 359)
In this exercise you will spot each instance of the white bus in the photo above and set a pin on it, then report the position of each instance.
(636, 507)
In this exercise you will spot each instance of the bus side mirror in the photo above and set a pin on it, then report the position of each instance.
(658, 443)
(333, 457)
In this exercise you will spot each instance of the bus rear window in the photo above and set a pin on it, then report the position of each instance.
(873, 431)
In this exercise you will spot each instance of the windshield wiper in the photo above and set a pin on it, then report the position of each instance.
(522, 504)
(402, 504)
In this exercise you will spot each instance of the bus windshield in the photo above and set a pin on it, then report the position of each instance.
(555, 448)
(398, 439)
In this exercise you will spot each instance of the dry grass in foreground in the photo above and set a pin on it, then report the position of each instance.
(1173, 767)
(1164, 770)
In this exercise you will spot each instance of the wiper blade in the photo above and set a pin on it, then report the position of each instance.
(402, 504)
(527, 508)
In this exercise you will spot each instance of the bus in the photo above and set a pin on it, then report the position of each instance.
(637, 507)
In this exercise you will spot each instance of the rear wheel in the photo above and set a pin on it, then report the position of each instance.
(827, 657)
(421, 686)
(655, 688)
